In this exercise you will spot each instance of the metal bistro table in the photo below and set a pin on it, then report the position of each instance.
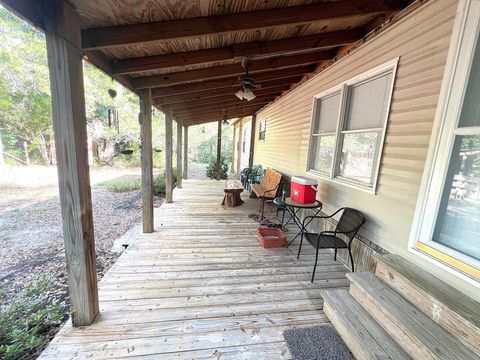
(293, 207)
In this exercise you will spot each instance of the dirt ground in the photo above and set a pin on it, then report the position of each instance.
(31, 240)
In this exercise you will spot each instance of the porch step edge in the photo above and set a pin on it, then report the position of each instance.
(441, 302)
(415, 332)
(365, 338)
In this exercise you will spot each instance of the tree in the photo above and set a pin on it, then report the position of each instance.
(25, 109)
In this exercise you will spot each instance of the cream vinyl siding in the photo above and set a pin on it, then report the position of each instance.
(421, 41)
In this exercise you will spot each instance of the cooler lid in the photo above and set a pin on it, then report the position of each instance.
(303, 180)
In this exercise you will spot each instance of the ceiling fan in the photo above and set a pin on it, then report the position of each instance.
(247, 82)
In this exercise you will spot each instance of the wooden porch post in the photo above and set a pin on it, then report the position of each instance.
(147, 159)
(185, 152)
(239, 147)
(232, 168)
(179, 154)
(252, 140)
(62, 31)
(219, 148)
(168, 157)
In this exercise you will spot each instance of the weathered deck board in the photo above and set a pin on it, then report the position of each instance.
(200, 287)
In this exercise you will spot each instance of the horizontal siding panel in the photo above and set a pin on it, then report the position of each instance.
(420, 41)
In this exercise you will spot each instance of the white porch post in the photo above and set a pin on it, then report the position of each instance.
(62, 30)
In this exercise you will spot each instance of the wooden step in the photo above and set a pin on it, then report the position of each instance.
(363, 335)
(416, 333)
(444, 304)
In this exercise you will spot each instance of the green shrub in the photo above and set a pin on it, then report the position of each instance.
(122, 184)
(159, 186)
(212, 169)
(30, 320)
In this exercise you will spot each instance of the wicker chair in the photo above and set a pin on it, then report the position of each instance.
(350, 222)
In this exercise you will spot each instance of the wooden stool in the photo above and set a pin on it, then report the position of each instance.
(233, 189)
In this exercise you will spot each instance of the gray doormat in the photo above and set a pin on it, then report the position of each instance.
(316, 343)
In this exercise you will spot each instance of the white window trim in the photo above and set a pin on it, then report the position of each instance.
(342, 88)
(264, 122)
(465, 34)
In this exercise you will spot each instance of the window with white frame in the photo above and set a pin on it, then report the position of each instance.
(262, 130)
(348, 128)
(447, 217)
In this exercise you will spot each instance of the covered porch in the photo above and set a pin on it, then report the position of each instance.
(201, 287)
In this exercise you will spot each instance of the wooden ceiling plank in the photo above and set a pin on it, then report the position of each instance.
(187, 28)
(178, 101)
(252, 49)
(290, 75)
(201, 111)
(204, 95)
(195, 120)
(233, 102)
(231, 70)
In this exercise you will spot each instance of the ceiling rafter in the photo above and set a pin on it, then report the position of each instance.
(281, 62)
(215, 100)
(233, 103)
(252, 49)
(208, 97)
(112, 36)
(290, 75)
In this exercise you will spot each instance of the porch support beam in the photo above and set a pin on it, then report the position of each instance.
(252, 140)
(120, 35)
(179, 154)
(223, 102)
(208, 97)
(168, 157)
(216, 113)
(185, 152)
(263, 48)
(219, 148)
(145, 120)
(285, 75)
(231, 70)
(62, 31)
(195, 120)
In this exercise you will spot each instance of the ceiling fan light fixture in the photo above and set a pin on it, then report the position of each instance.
(248, 95)
(240, 94)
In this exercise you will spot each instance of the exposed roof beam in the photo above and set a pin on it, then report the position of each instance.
(217, 112)
(179, 101)
(192, 120)
(255, 48)
(233, 102)
(201, 112)
(221, 91)
(287, 75)
(231, 70)
(208, 95)
(187, 28)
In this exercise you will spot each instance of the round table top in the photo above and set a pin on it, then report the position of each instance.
(290, 202)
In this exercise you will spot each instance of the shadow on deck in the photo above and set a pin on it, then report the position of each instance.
(201, 287)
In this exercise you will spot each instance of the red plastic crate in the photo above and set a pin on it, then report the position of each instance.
(271, 237)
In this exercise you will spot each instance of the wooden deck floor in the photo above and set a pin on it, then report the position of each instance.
(201, 287)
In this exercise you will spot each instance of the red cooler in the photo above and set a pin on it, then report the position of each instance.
(303, 190)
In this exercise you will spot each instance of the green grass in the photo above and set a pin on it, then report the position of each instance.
(122, 184)
(128, 183)
(28, 323)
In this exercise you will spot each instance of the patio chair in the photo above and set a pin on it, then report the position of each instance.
(267, 189)
(350, 222)
(255, 176)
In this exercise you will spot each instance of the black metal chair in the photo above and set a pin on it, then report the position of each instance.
(350, 222)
